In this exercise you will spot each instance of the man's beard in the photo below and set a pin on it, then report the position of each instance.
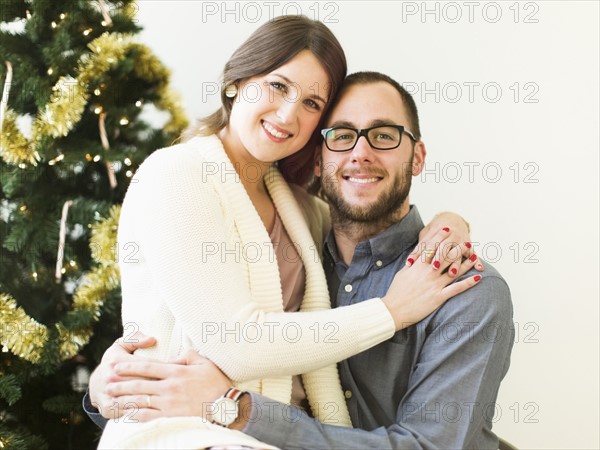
(383, 209)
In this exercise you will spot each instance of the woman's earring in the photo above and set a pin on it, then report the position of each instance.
(231, 91)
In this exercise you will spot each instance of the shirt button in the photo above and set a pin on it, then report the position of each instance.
(348, 394)
(348, 288)
(379, 263)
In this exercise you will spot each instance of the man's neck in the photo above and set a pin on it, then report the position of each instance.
(348, 233)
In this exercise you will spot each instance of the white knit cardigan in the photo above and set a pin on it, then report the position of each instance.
(198, 271)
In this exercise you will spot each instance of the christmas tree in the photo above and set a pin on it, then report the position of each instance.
(76, 91)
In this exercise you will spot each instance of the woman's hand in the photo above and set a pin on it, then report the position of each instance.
(121, 351)
(186, 387)
(419, 290)
(445, 235)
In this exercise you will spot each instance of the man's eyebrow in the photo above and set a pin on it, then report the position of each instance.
(288, 81)
(373, 123)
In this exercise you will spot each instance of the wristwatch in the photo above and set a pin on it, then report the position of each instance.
(226, 409)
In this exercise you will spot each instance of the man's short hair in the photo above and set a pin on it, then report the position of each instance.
(359, 78)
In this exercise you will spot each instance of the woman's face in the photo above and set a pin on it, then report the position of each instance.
(274, 115)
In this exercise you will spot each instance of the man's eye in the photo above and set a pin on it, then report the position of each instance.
(384, 137)
(343, 137)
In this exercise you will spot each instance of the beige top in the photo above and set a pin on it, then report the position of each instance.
(293, 278)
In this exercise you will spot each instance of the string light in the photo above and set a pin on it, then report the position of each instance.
(98, 109)
(138, 103)
(53, 24)
(72, 263)
(97, 158)
(124, 121)
(62, 16)
(87, 32)
(96, 91)
(57, 159)
(27, 14)
(104, 23)
(127, 161)
(129, 174)
(88, 157)
(35, 276)
(23, 208)
(50, 71)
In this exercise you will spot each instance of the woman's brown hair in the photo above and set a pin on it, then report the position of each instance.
(269, 47)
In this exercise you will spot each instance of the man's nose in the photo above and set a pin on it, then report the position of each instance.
(362, 151)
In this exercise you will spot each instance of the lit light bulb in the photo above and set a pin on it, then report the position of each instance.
(53, 24)
(129, 174)
(124, 121)
(62, 16)
(138, 103)
(87, 32)
(96, 91)
(50, 71)
(96, 158)
(127, 161)
(98, 109)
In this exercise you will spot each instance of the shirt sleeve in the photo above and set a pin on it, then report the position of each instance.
(177, 215)
(92, 412)
(451, 394)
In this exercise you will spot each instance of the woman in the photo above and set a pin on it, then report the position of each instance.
(201, 219)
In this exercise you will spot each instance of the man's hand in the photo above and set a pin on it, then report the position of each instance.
(186, 387)
(121, 351)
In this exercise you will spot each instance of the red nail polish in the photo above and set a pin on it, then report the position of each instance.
(436, 264)
(410, 261)
(473, 258)
(453, 271)
(446, 229)
(468, 244)
(477, 278)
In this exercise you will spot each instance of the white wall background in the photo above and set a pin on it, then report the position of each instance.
(517, 156)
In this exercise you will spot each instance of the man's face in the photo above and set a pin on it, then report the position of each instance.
(366, 184)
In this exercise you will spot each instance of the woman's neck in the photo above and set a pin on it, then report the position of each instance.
(250, 170)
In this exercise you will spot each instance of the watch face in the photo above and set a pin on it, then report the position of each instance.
(226, 411)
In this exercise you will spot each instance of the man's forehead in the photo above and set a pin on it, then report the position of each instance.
(368, 103)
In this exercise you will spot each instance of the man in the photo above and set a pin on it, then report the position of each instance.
(434, 384)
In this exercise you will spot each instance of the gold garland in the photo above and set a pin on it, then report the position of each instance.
(25, 337)
(61, 114)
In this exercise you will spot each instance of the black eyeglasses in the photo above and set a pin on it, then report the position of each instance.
(381, 137)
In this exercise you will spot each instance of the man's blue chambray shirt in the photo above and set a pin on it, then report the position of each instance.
(432, 385)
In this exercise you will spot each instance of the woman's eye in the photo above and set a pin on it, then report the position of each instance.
(278, 86)
(314, 105)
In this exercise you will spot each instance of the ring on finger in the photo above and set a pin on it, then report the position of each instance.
(149, 402)
(429, 254)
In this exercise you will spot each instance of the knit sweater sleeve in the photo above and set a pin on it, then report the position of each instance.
(178, 218)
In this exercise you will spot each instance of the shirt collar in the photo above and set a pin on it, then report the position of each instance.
(390, 243)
